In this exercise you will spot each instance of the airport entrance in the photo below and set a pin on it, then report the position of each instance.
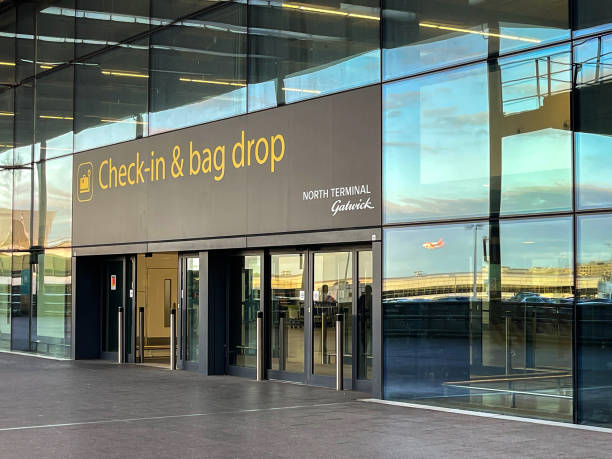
(127, 305)
(301, 292)
(308, 290)
(156, 296)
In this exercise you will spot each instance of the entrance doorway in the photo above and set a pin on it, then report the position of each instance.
(156, 296)
(308, 288)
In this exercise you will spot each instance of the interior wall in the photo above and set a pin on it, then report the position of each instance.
(151, 273)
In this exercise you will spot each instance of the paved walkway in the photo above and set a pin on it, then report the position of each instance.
(102, 410)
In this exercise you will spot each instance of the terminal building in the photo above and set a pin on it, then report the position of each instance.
(438, 173)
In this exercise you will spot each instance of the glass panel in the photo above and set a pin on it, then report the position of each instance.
(21, 284)
(22, 213)
(198, 69)
(245, 301)
(52, 314)
(479, 316)
(364, 314)
(420, 36)
(534, 143)
(592, 16)
(513, 150)
(54, 118)
(163, 11)
(5, 301)
(288, 290)
(332, 294)
(7, 46)
(420, 180)
(593, 122)
(24, 123)
(594, 326)
(302, 50)
(192, 307)
(55, 35)
(111, 97)
(101, 23)
(52, 222)
(7, 118)
(26, 30)
(6, 210)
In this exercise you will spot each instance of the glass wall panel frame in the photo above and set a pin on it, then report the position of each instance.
(250, 295)
(495, 338)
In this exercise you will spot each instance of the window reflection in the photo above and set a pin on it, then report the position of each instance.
(592, 16)
(52, 219)
(54, 115)
(8, 21)
(51, 311)
(198, 68)
(452, 149)
(479, 315)
(6, 210)
(6, 126)
(300, 50)
(420, 157)
(101, 23)
(5, 301)
(54, 34)
(594, 326)
(24, 123)
(593, 121)
(420, 36)
(111, 97)
(22, 211)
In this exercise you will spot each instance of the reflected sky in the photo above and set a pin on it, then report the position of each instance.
(436, 140)
(594, 143)
(594, 238)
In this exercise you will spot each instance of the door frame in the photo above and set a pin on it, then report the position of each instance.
(308, 376)
(181, 317)
(235, 370)
(105, 298)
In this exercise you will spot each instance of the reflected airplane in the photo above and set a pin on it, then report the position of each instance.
(434, 245)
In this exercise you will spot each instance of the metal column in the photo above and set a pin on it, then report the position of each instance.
(120, 330)
(260, 343)
(282, 341)
(141, 335)
(173, 339)
(339, 353)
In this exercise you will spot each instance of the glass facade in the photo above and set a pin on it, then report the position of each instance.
(496, 176)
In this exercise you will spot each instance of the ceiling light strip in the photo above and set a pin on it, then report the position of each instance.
(122, 121)
(309, 91)
(224, 83)
(312, 9)
(125, 74)
(475, 32)
(55, 117)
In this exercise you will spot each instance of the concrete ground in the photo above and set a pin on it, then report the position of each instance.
(103, 410)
